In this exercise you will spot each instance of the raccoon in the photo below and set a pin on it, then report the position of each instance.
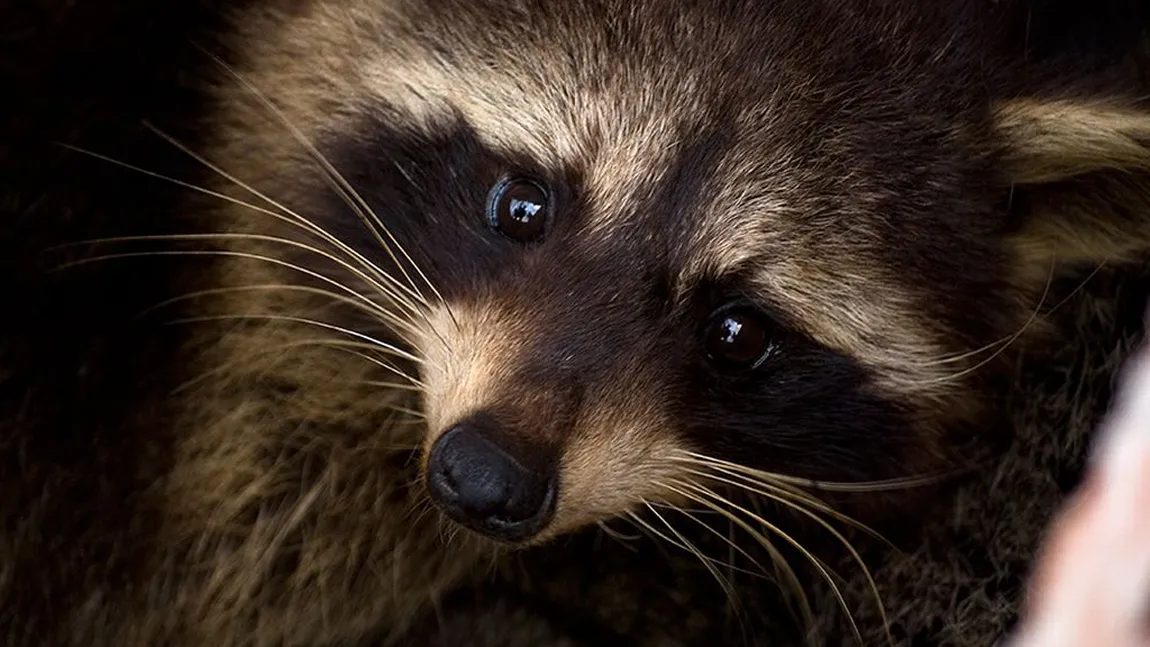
(466, 279)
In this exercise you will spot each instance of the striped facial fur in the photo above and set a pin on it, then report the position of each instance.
(613, 247)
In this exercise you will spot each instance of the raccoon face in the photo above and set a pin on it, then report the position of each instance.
(638, 249)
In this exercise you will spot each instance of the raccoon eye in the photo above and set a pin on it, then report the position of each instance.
(738, 338)
(518, 208)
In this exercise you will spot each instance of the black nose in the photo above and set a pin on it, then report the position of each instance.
(484, 488)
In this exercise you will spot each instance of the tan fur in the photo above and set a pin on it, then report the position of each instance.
(617, 456)
(1054, 140)
(618, 453)
(905, 361)
(1083, 168)
(288, 517)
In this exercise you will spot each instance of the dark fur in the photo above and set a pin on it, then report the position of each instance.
(127, 512)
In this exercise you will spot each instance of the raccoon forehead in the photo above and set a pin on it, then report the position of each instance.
(587, 56)
(611, 133)
(549, 83)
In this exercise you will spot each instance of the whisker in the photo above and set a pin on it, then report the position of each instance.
(826, 526)
(1033, 317)
(713, 498)
(362, 303)
(378, 344)
(390, 385)
(418, 415)
(682, 543)
(338, 344)
(615, 534)
(332, 172)
(734, 547)
(776, 556)
(829, 486)
(390, 294)
(642, 529)
(373, 307)
(786, 497)
(382, 364)
(764, 487)
(279, 205)
(372, 223)
(724, 582)
(791, 577)
(288, 216)
(890, 485)
(1010, 340)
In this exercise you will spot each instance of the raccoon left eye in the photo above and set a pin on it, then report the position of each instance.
(738, 338)
(518, 208)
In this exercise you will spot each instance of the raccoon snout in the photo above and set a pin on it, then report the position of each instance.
(481, 486)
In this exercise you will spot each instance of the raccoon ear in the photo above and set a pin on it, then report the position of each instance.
(1049, 141)
(1080, 174)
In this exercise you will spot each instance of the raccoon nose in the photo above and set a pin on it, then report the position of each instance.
(484, 488)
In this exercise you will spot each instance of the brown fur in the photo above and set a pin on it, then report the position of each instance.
(842, 186)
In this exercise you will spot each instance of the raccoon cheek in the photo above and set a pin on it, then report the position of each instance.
(611, 475)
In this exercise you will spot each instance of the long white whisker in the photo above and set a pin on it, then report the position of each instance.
(1010, 338)
(826, 526)
(362, 303)
(615, 534)
(735, 547)
(379, 344)
(287, 215)
(1017, 335)
(783, 494)
(390, 294)
(707, 561)
(415, 383)
(311, 226)
(828, 486)
(257, 257)
(333, 173)
(711, 497)
(776, 556)
(340, 344)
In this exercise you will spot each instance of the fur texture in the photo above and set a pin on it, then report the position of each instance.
(262, 483)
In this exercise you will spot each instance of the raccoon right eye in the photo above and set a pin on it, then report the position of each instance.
(518, 208)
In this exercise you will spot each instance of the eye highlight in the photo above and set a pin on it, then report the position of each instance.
(519, 208)
(738, 338)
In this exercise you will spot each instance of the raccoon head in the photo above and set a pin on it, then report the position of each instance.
(639, 249)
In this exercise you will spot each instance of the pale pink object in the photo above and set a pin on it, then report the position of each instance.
(1091, 585)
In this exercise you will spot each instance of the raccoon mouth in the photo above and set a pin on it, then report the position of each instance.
(482, 487)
